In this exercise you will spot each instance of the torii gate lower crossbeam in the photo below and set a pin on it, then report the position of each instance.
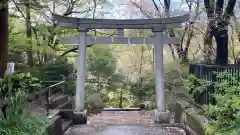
(74, 40)
(158, 39)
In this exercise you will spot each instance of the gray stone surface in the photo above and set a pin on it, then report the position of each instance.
(80, 117)
(72, 22)
(124, 130)
(123, 123)
(188, 114)
(55, 127)
(163, 117)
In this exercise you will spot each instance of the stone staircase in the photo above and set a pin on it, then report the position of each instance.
(124, 123)
(64, 112)
(60, 112)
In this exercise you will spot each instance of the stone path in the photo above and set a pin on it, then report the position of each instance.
(122, 123)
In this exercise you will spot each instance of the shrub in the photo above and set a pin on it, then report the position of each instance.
(18, 120)
(195, 85)
(225, 113)
(24, 81)
(94, 104)
(59, 70)
(149, 105)
(55, 70)
(175, 72)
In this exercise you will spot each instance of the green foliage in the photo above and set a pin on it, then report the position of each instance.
(18, 120)
(141, 90)
(24, 81)
(195, 85)
(172, 80)
(100, 62)
(101, 69)
(121, 97)
(56, 70)
(59, 70)
(225, 113)
(149, 105)
(175, 74)
(144, 88)
(94, 104)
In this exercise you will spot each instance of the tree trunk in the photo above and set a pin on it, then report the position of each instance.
(186, 49)
(121, 99)
(177, 46)
(29, 32)
(3, 36)
(172, 51)
(221, 38)
(208, 46)
(218, 25)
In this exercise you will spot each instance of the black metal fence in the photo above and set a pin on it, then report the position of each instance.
(208, 73)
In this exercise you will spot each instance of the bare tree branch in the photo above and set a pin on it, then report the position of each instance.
(141, 9)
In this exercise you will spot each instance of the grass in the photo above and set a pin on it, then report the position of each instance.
(19, 121)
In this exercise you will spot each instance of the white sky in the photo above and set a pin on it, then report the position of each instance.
(122, 9)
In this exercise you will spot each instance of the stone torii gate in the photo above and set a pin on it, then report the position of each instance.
(158, 39)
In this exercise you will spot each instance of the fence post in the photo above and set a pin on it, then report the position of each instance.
(10, 68)
(65, 79)
(47, 101)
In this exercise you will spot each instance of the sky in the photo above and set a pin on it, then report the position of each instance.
(123, 9)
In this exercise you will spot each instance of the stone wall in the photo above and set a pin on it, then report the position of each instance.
(55, 127)
(186, 113)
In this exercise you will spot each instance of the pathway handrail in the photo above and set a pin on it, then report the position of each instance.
(48, 94)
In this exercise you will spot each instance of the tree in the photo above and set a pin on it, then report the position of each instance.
(3, 36)
(180, 50)
(218, 21)
(41, 31)
(100, 63)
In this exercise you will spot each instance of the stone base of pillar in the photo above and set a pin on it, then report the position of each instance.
(163, 117)
(80, 117)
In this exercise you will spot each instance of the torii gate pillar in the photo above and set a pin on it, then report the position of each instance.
(158, 52)
(80, 113)
(160, 114)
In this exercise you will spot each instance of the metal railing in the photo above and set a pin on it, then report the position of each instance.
(209, 73)
(48, 93)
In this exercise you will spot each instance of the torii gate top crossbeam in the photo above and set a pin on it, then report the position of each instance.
(86, 23)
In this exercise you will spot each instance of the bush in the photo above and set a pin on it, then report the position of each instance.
(59, 70)
(70, 87)
(24, 81)
(174, 74)
(18, 120)
(54, 71)
(94, 104)
(144, 87)
(149, 105)
(225, 113)
(195, 86)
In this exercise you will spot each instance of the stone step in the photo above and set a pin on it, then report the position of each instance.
(137, 129)
(53, 113)
(57, 101)
(66, 110)
(66, 124)
(58, 125)
(121, 109)
(55, 126)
